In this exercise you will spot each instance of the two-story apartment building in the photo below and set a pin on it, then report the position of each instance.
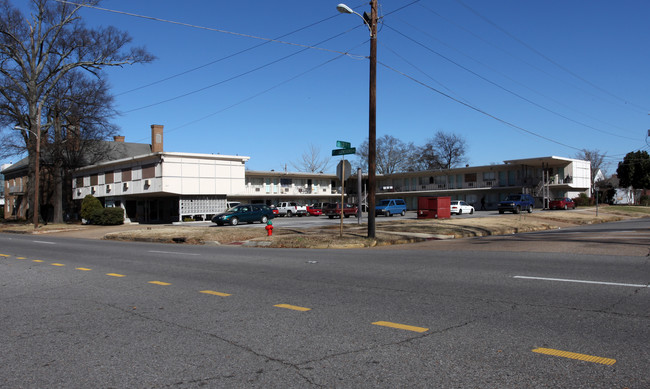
(543, 177)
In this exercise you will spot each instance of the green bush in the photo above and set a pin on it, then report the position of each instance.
(644, 200)
(91, 209)
(111, 216)
(582, 200)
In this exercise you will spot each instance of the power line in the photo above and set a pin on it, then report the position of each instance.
(201, 27)
(226, 57)
(477, 109)
(504, 88)
(512, 79)
(253, 96)
(238, 75)
(564, 68)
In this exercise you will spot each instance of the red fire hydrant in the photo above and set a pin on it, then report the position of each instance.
(269, 228)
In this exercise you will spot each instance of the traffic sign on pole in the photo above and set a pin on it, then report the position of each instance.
(342, 144)
(350, 150)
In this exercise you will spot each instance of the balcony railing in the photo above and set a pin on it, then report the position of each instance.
(288, 190)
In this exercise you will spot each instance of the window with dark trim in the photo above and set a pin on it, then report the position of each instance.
(126, 174)
(109, 178)
(470, 177)
(80, 182)
(149, 171)
(93, 179)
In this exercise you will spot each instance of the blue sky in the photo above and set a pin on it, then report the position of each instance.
(516, 79)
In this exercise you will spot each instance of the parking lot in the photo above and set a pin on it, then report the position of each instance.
(319, 221)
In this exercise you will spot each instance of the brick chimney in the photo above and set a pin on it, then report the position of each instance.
(156, 138)
(118, 138)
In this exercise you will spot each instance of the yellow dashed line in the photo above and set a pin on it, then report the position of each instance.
(159, 283)
(215, 293)
(293, 307)
(57, 264)
(83, 268)
(115, 275)
(37, 260)
(581, 357)
(21, 258)
(5, 255)
(400, 326)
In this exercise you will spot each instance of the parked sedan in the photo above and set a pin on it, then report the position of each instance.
(314, 210)
(459, 207)
(247, 213)
(562, 203)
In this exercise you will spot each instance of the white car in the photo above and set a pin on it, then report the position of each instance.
(459, 207)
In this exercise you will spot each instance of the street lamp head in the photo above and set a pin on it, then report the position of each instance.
(344, 9)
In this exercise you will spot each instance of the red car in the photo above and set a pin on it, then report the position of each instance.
(275, 210)
(314, 211)
(562, 203)
(333, 210)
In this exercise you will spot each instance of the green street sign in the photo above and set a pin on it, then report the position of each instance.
(343, 145)
(351, 150)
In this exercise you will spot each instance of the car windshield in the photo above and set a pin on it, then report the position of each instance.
(513, 198)
(384, 202)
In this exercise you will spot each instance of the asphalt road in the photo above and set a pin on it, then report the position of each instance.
(86, 313)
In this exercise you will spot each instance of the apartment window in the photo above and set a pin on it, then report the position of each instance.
(93, 179)
(489, 176)
(126, 174)
(470, 177)
(149, 171)
(109, 177)
(80, 182)
(285, 181)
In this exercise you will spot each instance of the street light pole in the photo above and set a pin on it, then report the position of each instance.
(371, 22)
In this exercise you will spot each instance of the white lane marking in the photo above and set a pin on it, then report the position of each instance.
(42, 241)
(171, 252)
(583, 282)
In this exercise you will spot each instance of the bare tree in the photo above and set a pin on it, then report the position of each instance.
(450, 149)
(310, 161)
(597, 160)
(38, 50)
(393, 155)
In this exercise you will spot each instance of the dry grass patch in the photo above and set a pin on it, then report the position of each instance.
(192, 235)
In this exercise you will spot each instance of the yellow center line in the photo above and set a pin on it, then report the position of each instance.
(293, 307)
(115, 275)
(400, 326)
(5, 255)
(21, 258)
(83, 268)
(581, 357)
(37, 260)
(57, 264)
(159, 283)
(215, 293)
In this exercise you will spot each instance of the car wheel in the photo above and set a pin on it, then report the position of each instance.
(565, 207)
(289, 214)
(387, 214)
(501, 212)
(234, 221)
(264, 219)
(460, 211)
(331, 216)
(347, 215)
(471, 211)
(403, 213)
(530, 209)
(518, 209)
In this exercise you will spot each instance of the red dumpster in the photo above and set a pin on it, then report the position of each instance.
(434, 207)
